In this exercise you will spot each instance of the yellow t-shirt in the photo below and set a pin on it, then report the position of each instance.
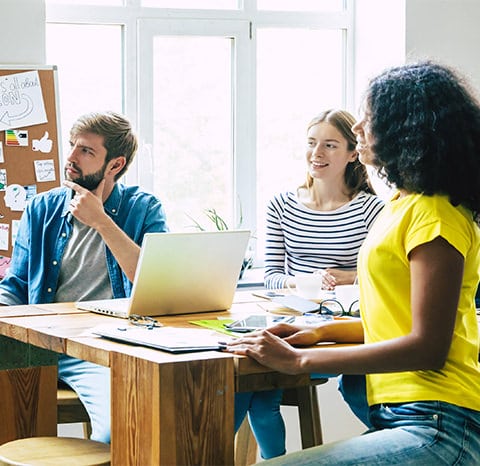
(384, 275)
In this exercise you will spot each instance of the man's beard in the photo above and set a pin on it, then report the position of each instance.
(91, 181)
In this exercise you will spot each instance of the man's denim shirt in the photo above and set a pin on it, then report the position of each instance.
(45, 229)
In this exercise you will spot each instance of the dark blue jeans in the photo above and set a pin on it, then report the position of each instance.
(422, 433)
(265, 419)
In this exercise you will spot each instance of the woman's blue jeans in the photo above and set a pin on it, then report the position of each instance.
(265, 419)
(422, 433)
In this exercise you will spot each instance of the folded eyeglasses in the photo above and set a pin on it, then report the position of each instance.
(334, 308)
(144, 321)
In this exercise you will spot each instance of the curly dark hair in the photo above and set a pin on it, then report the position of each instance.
(425, 123)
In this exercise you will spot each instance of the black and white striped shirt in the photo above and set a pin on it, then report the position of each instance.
(300, 239)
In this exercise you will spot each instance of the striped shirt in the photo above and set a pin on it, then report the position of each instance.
(300, 239)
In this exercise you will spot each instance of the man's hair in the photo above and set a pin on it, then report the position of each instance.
(356, 176)
(118, 136)
(425, 124)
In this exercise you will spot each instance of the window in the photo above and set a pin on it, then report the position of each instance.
(87, 2)
(300, 72)
(220, 96)
(89, 80)
(300, 5)
(193, 4)
(192, 126)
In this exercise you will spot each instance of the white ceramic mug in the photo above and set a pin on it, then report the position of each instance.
(347, 294)
(307, 285)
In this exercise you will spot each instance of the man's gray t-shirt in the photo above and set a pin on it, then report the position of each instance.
(83, 272)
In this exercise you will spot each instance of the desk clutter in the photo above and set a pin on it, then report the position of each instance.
(273, 308)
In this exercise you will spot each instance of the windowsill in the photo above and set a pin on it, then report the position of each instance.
(252, 278)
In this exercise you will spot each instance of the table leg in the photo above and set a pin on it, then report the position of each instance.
(173, 413)
(28, 391)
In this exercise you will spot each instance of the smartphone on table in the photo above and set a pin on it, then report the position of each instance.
(257, 322)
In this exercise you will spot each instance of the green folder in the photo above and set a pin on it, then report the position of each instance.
(216, 324)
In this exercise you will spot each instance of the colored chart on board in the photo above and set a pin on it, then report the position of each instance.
(15, 137)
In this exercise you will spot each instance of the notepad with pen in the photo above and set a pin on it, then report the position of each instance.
(171, 339)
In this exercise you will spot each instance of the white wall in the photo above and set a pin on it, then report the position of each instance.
(379, 39)
(390, 32)
(22, 35)
(445, 30)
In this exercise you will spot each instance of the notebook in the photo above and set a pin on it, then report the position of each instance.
(181, 273)
(171, 339)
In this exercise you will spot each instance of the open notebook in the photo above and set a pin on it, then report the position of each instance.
(181, 273)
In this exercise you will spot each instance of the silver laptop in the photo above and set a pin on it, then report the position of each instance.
(181, 273)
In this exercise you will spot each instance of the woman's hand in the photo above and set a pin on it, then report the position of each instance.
(333, 277)
(269, 350)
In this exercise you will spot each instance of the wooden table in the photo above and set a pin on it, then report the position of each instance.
(166, 409)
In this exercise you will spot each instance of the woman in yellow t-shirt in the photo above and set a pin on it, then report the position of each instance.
(418, 270)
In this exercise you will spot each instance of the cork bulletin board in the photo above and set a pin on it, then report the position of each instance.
(29, 145)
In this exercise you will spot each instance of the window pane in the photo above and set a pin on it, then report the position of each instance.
(300, 73)
(193, 164)
(89, 81)
(300, 5)
(89, 2)
(194, 4)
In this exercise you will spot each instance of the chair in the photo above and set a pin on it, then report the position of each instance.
(48, 451)
(245, 445)
(306, 400)
(71, 410)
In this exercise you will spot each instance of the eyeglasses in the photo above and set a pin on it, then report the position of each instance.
(144, 321)
(334, 308)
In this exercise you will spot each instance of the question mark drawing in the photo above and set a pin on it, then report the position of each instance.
(15, 197)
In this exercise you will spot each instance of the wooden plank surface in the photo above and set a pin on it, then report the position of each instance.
(29, 405)
(183, 415)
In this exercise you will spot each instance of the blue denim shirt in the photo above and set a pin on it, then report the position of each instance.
(45, 228)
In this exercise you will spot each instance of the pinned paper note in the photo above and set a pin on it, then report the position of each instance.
(15, 197)
(4, 265)
(43, 145)
(15, 225)
(2, 158)
(16, 137)
(44, 170)
(4, 229)
(3, 179)
(21, 100)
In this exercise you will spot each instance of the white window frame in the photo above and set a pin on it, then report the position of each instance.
(140, 24)
(243, 143)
